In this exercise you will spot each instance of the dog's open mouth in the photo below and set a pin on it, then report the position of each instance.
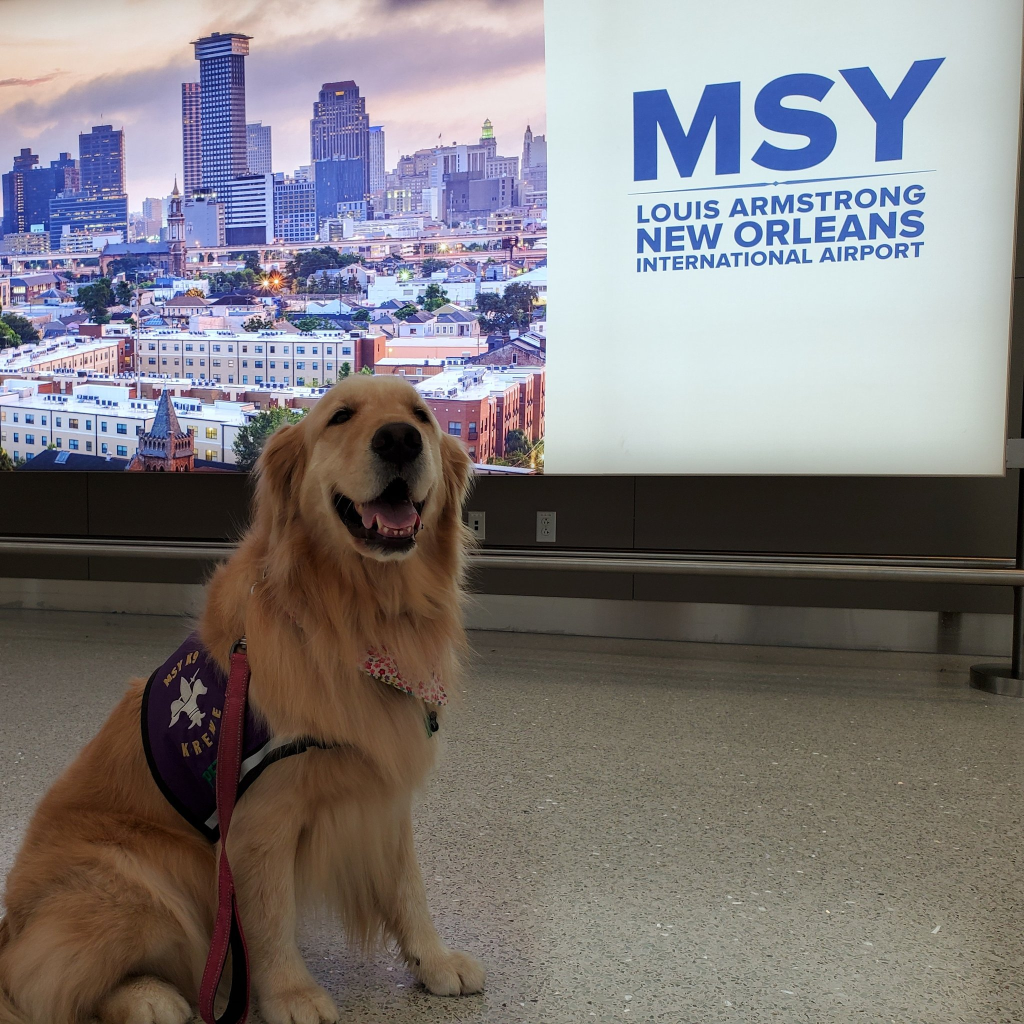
(389, 522)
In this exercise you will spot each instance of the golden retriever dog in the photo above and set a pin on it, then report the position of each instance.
(356, 544)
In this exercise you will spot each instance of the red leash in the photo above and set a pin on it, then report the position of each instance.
(227, 931)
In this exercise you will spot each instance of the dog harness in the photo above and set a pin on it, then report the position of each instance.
(182, 720)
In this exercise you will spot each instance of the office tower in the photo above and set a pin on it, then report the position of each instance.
(337, 181)
(152, 217)
(204, 220)
(191, 136)
(248, 209)
(295, 213)
(82, 213)
(25, 160)
(27, 191)
(101, 161)
(221, 59)
(257, 147)
(377, 172)
(340, 126)
(534, 167)
(67, 175)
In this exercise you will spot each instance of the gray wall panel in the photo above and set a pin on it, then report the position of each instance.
(593, 512)
(824, 594)
(44, 503)
(605, 586)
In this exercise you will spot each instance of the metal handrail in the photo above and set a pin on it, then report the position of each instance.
(980, 571)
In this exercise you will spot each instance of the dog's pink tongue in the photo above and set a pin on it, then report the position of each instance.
(394, 517)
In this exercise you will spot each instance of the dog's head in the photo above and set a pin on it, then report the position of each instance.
(366, 470)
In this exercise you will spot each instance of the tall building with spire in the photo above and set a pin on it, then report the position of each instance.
(221, 59)
(191, 136)
(534, 167)
(488, 143)
(176, 232)
(165, 447)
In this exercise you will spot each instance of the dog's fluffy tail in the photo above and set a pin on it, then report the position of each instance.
(9, 1013)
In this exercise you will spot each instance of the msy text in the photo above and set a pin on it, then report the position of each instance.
(719, 105)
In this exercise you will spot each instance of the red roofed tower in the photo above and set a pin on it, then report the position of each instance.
(165, 447)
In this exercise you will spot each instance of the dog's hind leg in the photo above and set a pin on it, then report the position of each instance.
(444, 972)
(85, 950)
(144, 1000)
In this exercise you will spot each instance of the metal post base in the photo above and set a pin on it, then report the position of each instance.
(997, 678)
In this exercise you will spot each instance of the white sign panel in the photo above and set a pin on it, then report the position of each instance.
(782, 235)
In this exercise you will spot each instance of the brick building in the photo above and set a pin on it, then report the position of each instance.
(481, 406)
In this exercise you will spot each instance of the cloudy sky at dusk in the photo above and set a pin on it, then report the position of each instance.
(425, 67)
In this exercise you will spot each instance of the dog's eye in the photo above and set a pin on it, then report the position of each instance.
(421, 415)
(341, 416)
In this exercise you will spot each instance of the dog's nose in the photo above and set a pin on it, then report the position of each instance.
(398, 443)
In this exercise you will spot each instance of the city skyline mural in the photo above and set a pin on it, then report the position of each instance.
(212, 214)
(432, 71)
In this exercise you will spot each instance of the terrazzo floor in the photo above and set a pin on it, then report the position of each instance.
(653, 831)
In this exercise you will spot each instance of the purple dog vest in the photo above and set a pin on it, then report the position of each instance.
(181, 716)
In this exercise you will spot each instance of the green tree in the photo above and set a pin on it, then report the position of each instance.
(310, 323)
(21, 326)
(368, 370)
(509, 311)
(305, 264)
(434, 297)
(344, 371)
(96, 298)
(8, 339)
(431, 266)
(123, 293)
(252, 263)
(6, 464)
(249, 441)
(516, 442)
(406, 311)
(258, 323)
(362, 315)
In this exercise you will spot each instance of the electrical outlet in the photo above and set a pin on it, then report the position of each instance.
(477, 522)
(545, 527)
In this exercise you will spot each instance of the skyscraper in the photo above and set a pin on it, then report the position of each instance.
(152, 217)
(27, 191)
(73, 215)
(67, 175)
(340, 126)
(191, 136)
(221, 59)
(295, 218)
(534, 168)
(25, 160)
(377, 172)
(337, 181)
(13, 182)
(101, 161)
(257, 145)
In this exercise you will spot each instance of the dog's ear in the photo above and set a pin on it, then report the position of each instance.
(458, 474)
(279, 471)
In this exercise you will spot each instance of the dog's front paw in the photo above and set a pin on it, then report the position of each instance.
(450, 973)
(307, 1005)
